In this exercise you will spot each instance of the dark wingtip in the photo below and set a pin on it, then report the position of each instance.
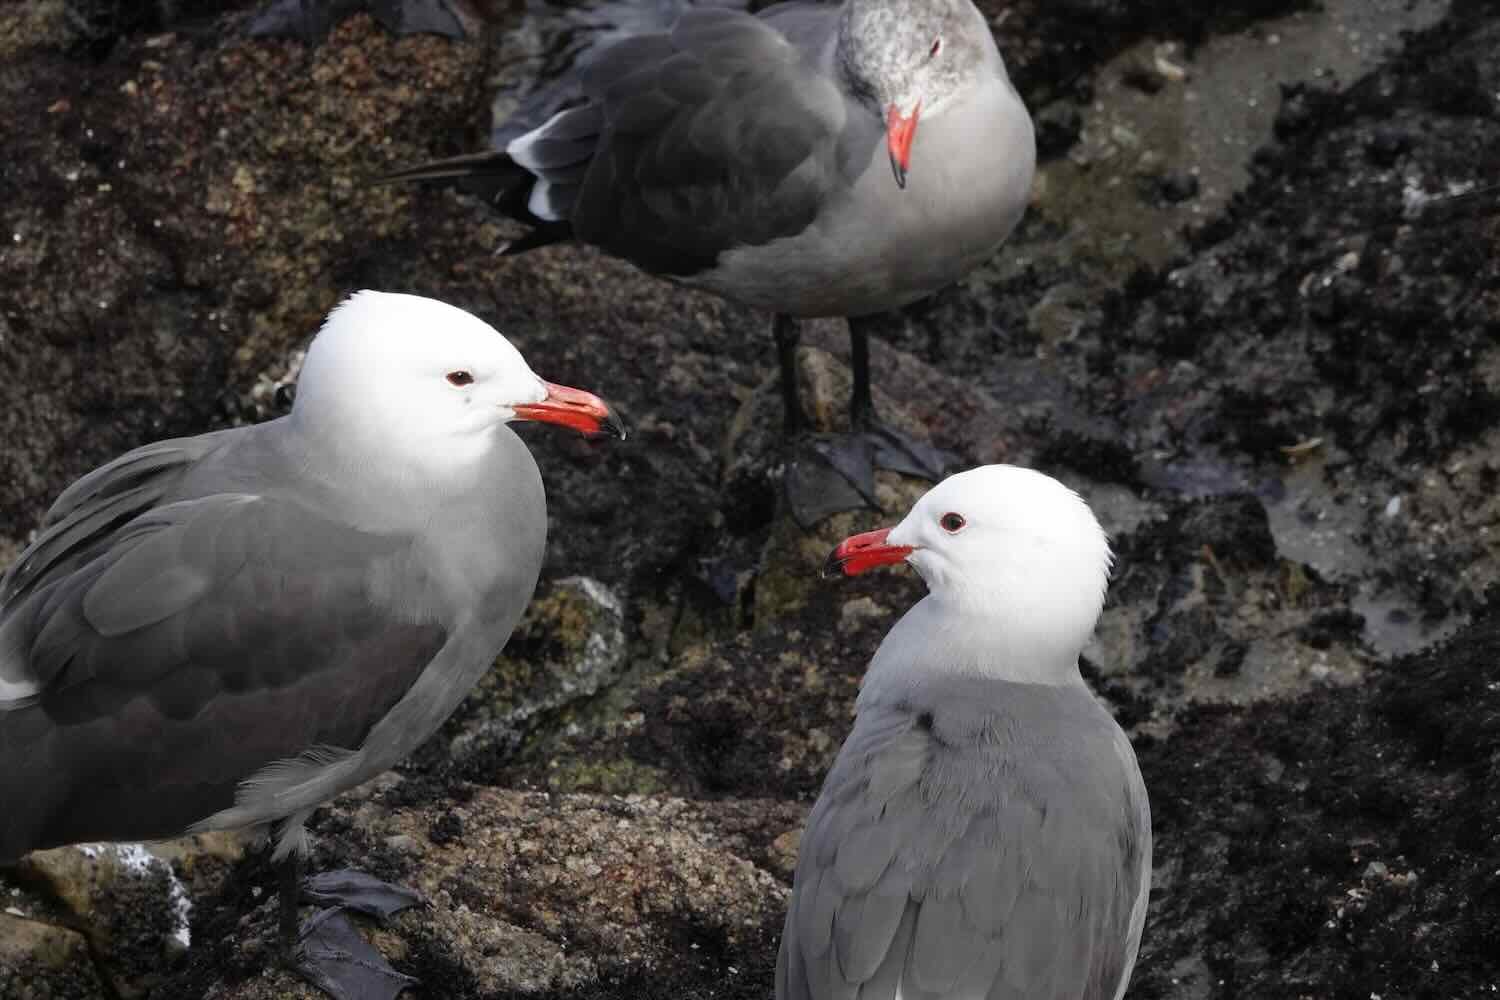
(412, 175)
(540, 236)
(489, 163)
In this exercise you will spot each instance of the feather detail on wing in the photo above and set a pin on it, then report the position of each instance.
(942, 862)
(676, 147)
(166, 660)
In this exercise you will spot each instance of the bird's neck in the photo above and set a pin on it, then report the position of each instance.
(383, 492)
(966, 639)
(848, 58)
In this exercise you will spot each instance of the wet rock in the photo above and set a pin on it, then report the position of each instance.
(1297, 316)
(1102, 458)
(1387, 145)
(1147, 79)
(1057, 126)
(1339, 843)
(1329, 627)
(101, 22)
(720, 721)
(1302, 107)
(1191, 605)
(40, 961)
(1234, 529)
(1177, 185)
(755, 713)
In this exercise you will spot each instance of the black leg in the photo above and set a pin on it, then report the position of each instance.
(290, 893)
(788, 333)
(861, 403)
(872, 443)
(842, 477)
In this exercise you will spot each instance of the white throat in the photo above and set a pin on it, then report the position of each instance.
(938, 637)
(380, 492)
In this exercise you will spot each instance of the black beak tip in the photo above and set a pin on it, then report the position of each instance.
(833, 566)
(612, 423)
(900, 173)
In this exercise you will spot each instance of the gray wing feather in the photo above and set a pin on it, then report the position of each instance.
(865, 926)
(715, 135)
(889, 977)
(175, 657)
(88, 511)
(962, 864)
(165, 570)
(946, 944)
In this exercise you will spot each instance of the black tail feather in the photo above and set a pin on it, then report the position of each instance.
(499, 180)
(491, 174)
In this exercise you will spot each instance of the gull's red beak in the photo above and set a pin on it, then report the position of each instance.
(858, 553)
(899, 131)
(582, 411)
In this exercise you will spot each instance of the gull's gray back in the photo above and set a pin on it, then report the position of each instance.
(977, 840)
(715, 134)
(203, 611)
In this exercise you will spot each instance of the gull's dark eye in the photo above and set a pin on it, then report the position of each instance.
(952, 523)
(460, 378)
(937, 46)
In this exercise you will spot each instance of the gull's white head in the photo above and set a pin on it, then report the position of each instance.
(1002, 545)
(418, 378)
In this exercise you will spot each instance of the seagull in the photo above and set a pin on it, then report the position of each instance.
(984, 833)
(225, 631)
(811, 160)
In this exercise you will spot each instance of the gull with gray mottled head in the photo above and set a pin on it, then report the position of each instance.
(814, 159)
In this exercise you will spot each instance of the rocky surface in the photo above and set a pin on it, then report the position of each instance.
(1277, 387)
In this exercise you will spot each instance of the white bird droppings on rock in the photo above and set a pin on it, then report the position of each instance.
(138, 862)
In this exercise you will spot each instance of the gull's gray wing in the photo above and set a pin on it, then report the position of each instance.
(717, 134)
(966, 853)
(86, 514)
(157, 661)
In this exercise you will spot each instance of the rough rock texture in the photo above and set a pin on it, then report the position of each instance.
(133, 902)
(1279, 395)
(1343, 844)
(42, 961)
(529, 892)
